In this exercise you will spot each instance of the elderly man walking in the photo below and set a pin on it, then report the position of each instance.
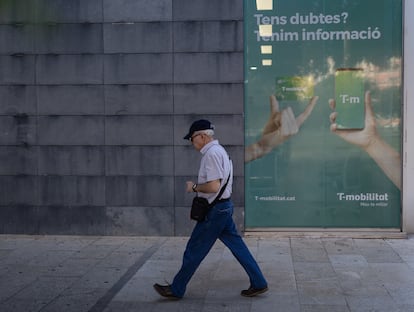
(216, 172)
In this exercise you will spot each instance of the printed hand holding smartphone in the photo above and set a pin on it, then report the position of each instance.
(349, 98)
(360, 137)
(369, 140)
(279, 127)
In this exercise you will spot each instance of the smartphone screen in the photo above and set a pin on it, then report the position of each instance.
(349, 98)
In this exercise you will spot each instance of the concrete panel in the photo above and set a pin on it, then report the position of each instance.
(238, 191)
(225, 98)
(16, 130)
(71, 160)
(138, 99)
(19, 69)
(139, 130)
(183, 224)
(236, 153)
(18, 160)
(238, 217)
(69, 38)
(73, 11)
(138, 37)
(69, 69)
(71, 190)
(19, 219)
(146, 191)
(229, 129)
(17, 39)
(208, 67)
(186, 161)
(16, 100)
(141, 221)
(209, 36)
(70, 130)
(18, 190)
(139, 160)
(70, 220)
(70, 100)
(136, 11)
(138, 68)
(17, 11)
(207, 10)
(60, 220)
(104, 95)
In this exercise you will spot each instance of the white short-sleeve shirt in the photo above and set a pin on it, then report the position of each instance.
(215, 164)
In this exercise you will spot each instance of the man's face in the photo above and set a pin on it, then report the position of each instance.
(198, 140)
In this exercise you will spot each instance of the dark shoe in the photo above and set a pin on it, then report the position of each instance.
(251, 292)
(165, 291)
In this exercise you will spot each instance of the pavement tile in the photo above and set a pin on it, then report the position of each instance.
(381, 255)
(372, 303)
(120, 259)
(72, 303)
(235, 306)
(321, 292)
(340, 246)
(402, 293)
(309, 255)
(365, 290)
(323, 308)
(313, 243)
(132, 306)
(184, 305)
(95, 252)
(12, 284)
(347, 261)
(229, 269)
(45, 288)
(308, 250)
(73, 267)
(102, 274)
(99, 277)
(137, 289)
(355, 280)
(369, 243)
(305, 271)
(26, 305)
(396, 272)
(276, 301)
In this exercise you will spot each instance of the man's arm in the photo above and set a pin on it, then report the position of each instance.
(208, 187)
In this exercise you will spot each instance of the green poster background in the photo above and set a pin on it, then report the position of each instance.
(315, 178)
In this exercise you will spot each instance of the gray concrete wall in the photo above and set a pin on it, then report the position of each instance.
(95, 97)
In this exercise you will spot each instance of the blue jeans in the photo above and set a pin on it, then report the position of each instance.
(219, 224)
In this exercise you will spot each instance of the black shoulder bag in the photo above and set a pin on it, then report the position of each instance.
(200, 206)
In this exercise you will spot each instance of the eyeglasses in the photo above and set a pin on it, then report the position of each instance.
(192, 138)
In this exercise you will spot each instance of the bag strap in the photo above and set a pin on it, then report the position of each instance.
(221, 191)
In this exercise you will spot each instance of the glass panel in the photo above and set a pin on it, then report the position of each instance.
(307, 54)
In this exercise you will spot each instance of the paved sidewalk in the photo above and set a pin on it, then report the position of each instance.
(83, 273)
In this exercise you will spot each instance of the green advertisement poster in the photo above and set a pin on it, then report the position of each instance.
(323, 103)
